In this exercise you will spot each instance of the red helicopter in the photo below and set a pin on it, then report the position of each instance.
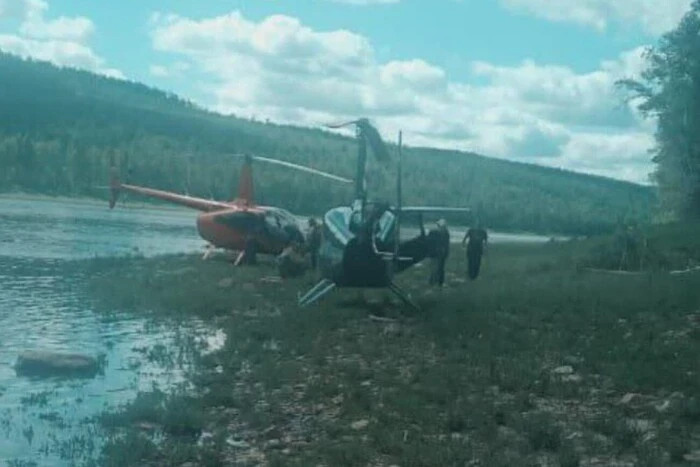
(236, 224)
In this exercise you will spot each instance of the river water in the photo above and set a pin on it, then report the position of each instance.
(43, 307)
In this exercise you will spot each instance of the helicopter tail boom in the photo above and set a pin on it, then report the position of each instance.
(200, 204)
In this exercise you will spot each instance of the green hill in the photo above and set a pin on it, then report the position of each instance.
(59, 128)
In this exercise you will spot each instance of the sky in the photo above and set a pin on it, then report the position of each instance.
(525, 80)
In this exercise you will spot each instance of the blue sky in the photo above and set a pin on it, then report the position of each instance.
(526, 80)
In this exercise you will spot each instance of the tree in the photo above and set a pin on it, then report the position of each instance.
(669, 90)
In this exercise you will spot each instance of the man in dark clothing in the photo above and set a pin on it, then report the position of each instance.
(249, 254)
(313, 241)
(478, 238)
(439, 241)
(626, 237)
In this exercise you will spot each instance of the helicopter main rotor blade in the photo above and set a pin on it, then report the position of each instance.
(291, 165)
(340, 125)
(304, 169)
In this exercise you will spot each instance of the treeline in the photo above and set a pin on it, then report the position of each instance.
(669, 89)
(61, 128)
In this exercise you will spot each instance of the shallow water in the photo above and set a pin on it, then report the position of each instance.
(64, 230)
(42, 307)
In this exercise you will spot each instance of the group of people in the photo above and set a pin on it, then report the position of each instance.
(475, 240)
(297, 256)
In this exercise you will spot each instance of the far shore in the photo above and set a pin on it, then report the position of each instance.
(92, 201)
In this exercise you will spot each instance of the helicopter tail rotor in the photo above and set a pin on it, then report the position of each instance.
(114, 186)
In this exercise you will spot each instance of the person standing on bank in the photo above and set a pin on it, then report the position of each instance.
(313, 240)
(478, 238)
(439, 239)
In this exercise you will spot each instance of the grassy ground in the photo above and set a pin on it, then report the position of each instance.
(534, 363)
(671, 246)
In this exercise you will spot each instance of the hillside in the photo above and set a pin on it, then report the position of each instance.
(59, 128)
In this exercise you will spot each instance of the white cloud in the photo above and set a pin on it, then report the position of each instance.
(168, 71)
(654, 16)
(159, 71)
(617, 154)
(62, 41)
(557, 93)
(76, 29)
(282, 70)
(18, 9)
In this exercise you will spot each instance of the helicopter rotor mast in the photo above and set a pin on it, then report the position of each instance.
(367, 135)
(360, 182)
(397, 234)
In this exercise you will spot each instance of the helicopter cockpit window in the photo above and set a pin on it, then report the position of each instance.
(385, 225)
(284, 225)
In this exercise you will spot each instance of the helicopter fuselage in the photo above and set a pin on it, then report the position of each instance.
(351, 252)
(273, 228)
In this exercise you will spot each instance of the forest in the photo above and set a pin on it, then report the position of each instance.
(669, 90)
(61, 128)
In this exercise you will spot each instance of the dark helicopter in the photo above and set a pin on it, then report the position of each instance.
(361, 244)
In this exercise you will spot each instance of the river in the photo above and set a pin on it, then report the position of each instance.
(43, 306)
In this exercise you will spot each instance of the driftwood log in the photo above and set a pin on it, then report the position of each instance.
(46, 364)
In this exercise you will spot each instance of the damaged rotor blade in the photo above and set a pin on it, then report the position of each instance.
(304, 168)
(340, 125)
(371, 135)
(374, 139)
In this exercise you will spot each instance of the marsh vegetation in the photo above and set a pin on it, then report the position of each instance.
(537, 362)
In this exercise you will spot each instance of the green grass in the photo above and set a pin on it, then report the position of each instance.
(529, 364)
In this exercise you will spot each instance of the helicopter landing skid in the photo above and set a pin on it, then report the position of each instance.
(317, 291)
(324, 286)
(403, 296)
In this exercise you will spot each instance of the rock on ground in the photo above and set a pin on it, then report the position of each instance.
(45, 364)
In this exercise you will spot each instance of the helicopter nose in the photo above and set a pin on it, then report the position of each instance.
(206, 228)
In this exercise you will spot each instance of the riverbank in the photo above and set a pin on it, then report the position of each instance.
(535, 362)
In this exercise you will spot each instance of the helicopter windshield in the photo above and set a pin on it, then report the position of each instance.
(343, 223)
